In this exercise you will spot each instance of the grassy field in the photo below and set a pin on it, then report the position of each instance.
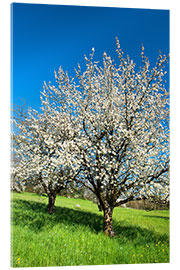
(74, 236)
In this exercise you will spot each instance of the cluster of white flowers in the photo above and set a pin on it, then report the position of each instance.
(109, 123)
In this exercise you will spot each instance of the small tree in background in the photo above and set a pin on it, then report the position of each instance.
(42, 143)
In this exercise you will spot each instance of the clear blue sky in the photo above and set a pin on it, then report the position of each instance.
(45, 37)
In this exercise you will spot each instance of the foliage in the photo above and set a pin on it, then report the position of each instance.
(41, 147)
(107, 129)
(122, 138)
(147, 205)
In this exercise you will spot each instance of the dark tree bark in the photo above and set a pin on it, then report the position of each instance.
(51, 203)
(108, 226)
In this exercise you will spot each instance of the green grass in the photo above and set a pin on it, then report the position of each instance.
(74, 236)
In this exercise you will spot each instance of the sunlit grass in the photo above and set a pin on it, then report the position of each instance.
(74, 236)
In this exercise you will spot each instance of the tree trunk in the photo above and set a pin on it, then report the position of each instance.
(108, 228)
(51, 203)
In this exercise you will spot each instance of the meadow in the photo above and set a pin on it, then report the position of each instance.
(74, 235)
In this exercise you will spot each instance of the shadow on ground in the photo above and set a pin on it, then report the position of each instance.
(162, 217)
(34, 216)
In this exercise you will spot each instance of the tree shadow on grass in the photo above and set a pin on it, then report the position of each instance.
(34, 216)
(138, 235)
(167, 218)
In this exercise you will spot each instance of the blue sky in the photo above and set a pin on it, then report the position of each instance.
(44, 37)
